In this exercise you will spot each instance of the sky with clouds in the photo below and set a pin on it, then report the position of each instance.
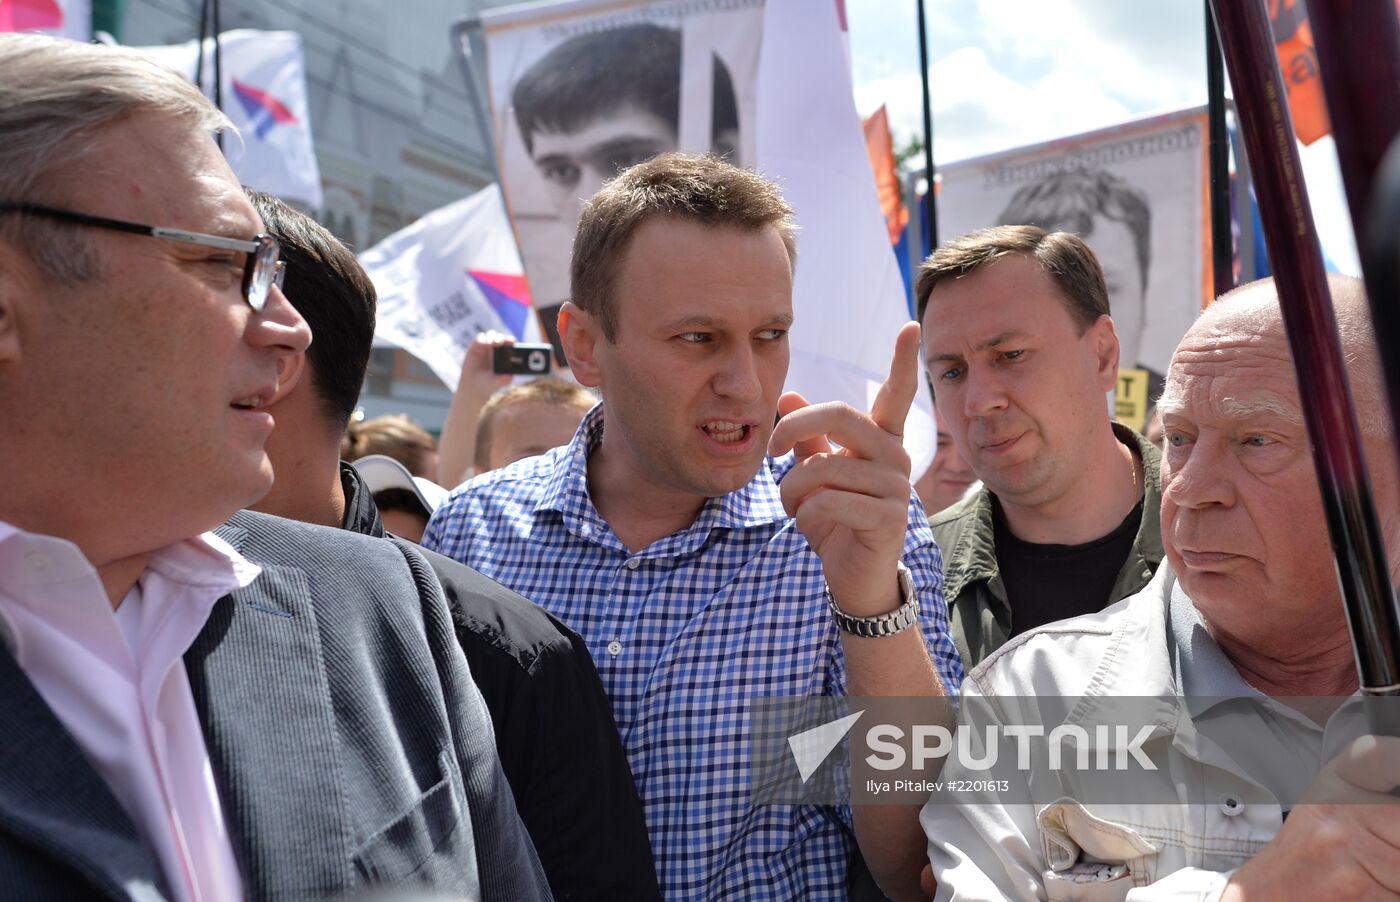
(1006, 73)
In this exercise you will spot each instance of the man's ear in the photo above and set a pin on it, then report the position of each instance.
(290, 370)
(1103, 338)
(580, 334)
(14, 287)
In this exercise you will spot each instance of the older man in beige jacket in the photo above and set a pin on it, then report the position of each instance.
(1236, 660)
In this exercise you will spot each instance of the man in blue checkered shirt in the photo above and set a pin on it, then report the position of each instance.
(693, 552)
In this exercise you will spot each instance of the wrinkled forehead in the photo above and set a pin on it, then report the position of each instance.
(1226, 371)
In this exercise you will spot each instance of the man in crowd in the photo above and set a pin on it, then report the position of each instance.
(1021, 352)
(692, 555)
(193, 715)
(1241, 650)
(521, 421)
(524, 419)
(554, 730)
(948, 478)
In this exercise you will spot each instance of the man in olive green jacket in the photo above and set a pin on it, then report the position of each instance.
(979, 613)
(1021, 354)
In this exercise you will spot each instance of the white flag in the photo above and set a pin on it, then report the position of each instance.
(848, 297)
(264, 93)
(60, 18)
(448, 276)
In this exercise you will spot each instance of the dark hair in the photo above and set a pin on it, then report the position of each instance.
(1069, 200)
(595, 74)
(1064, 257)
(327, 286)
(700, 189)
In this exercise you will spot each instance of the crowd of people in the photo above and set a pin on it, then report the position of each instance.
(252, 648)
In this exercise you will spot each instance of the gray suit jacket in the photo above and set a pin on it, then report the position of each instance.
(350, 746)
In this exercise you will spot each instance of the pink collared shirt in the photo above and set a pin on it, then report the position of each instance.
(117, 681)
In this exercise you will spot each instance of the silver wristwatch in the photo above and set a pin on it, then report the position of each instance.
(896, 621)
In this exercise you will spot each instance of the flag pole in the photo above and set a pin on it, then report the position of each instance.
(1222, 241)
(930, 200)
(1296, 256)
(462, 31)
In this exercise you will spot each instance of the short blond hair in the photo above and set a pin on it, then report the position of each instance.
(549, 390)
(701, 189)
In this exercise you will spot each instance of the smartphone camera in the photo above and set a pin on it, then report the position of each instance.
(522, 360)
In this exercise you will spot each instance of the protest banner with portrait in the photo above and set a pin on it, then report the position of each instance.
(579, 91)
(1137, 193)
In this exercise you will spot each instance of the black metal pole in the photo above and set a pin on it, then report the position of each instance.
(462, 31)
(199, 48)
(930, 201)
(1296, 255)
(218, 69)
(1222, 258)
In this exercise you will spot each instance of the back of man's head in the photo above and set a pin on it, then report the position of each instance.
(700, 189)
(54, 96)
(548, 405)
(593, 75)
(1063, 256)
(1069, 201)
(329, 288)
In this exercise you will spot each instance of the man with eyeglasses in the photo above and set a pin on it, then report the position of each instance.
(269, 710)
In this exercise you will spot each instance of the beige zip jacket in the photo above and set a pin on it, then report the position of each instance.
(1175, 851)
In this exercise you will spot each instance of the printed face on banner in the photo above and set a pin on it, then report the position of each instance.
(1135, 193)
(579, 96)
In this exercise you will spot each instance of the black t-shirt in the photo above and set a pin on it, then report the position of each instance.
(1045, 583)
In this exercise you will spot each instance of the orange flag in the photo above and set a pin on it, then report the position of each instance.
(880, 145)
(1296, 57)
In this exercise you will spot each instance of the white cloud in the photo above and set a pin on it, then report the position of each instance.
(1014, 72)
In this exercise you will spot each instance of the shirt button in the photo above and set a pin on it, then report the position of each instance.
(614, 648)
(1231, 806)
(37, 561)
(633, 563)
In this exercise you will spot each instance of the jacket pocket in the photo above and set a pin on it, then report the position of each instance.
(405, 849)
(1091, 859)
(1085, 887)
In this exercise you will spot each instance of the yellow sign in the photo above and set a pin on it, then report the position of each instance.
(1130, 398)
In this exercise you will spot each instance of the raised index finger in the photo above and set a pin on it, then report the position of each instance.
(896, 395)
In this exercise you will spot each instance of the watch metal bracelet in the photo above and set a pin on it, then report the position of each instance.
(896, 621)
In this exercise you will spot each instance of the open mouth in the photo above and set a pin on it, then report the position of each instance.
(725, 432)
(254, 401)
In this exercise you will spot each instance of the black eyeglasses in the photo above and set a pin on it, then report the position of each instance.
(261, 270)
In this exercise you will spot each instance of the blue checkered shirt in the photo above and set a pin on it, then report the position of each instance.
(684, 633)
